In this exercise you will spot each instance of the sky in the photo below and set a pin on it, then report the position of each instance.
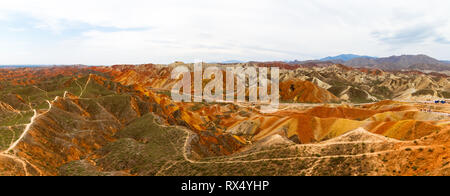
(107, 32)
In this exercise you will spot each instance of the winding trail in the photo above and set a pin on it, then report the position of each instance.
(85, 86)
(186, 149)
(27, 128)
(231, 160)
(13, 136)
(312, 146)
(190, 134)
(228, 160)
(15, 158)
(78, 84)
(46, 93)
(164, 168)
(7, 153)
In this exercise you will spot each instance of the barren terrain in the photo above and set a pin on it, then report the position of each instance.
(121, 120)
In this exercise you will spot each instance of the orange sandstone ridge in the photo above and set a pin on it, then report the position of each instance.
(101, 120)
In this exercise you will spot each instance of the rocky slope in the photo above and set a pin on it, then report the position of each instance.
(403, 62)
(370, 85)
(120, 120)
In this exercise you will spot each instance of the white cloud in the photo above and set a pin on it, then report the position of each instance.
(14, 29)
(221, 30)
(3, 16)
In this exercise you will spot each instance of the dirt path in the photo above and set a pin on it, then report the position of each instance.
(13, 136)
(324, 144)
(24, 165)
(25, 131)
(78, 84)
(27, 128)
(164, 168)
(314, 157)
(7, 154)
(85, 86)
(299, 145)
(46, 93)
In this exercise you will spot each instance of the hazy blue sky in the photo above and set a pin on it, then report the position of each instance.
(103, 32)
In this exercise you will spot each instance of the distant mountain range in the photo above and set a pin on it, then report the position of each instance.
(230, 62)
(412, 62)
(20, 66)
(345, 57)
(31, 66)
(404, 62)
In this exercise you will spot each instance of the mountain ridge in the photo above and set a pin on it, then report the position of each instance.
(402, 62)
(121, 120)
(419, 62)
(345, 57)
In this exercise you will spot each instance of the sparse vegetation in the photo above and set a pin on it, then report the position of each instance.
(423, 92)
